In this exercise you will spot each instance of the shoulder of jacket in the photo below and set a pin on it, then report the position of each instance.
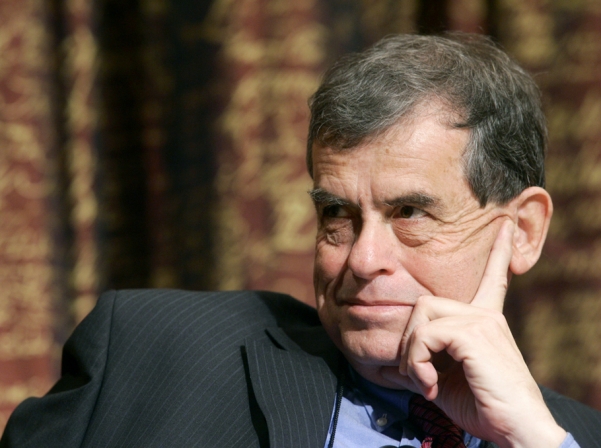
(233, 308)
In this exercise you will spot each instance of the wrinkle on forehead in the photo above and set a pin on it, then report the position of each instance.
(432, 106)
(419, 158)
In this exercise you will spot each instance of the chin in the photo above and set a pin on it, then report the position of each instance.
(373, 348)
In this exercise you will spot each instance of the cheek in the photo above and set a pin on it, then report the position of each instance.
(454, 274)
(463, 279)
(329, 265)
(330, 262)
(331, 321)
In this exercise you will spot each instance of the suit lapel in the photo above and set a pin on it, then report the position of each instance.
(294, 390)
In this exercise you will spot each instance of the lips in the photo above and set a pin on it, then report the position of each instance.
(371, 303)
(375, 313)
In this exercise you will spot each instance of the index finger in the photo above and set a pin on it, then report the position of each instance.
(493, 286)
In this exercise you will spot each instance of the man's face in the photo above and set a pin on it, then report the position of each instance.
(397, 220)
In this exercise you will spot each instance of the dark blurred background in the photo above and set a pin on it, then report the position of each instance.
(160, 143)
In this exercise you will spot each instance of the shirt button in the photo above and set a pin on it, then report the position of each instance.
(382, 421)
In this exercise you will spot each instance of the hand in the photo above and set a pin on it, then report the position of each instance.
(483, 385)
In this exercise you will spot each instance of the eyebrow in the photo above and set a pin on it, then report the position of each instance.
(324, 197)
(416, 199)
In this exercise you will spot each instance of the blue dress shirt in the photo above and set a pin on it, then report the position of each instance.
(374, 416)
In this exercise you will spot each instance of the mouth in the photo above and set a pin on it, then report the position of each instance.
(375, 310)
(372, 303)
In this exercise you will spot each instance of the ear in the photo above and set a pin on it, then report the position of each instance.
(533, 209)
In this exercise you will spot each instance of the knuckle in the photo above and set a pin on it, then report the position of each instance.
(488, 323)
(474, 329)
(419, 331)
(423, 301)
(405, 339)
(503, 283)
(496, 318)
(411, 364)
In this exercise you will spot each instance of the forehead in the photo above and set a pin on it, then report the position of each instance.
(423, 155)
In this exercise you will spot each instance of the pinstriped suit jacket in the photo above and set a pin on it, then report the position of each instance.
(161, 368)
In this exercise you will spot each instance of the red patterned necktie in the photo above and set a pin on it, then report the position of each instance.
(439, 430)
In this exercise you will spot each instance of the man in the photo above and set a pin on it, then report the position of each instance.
(427, 160)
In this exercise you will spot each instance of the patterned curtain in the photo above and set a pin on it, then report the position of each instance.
(555, 309)
(48, 208)
(155, 143)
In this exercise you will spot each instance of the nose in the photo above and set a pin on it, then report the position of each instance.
(372, 253)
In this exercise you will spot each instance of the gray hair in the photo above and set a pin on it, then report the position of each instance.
(364, 94)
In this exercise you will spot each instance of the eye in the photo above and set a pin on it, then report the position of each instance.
(334, 211)
(408, 212)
